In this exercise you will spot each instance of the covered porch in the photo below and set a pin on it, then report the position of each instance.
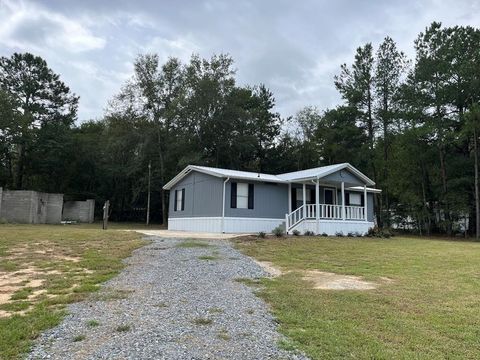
(339, 201)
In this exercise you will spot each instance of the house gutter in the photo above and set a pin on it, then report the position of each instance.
(223, 204)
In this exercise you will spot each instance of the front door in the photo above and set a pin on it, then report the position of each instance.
(329, 198)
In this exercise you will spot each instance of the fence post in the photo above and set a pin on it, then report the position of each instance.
(106, 207)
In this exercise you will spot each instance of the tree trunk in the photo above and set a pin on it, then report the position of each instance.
(477, 200)
(162, 178)
(443, 172)
(20, 167)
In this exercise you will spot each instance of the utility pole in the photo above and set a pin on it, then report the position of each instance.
(148, 195)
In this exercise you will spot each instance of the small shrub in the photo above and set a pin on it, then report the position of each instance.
(309, 233)
(379, 233)
(358, 234)
(278, 231)
(339, 234)
(351, 234)
(296, 232)
(324, 234)
(3, 221)
(262, 235)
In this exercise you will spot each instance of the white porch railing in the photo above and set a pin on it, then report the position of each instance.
(326, 211)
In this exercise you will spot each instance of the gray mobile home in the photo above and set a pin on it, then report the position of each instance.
(328, 199)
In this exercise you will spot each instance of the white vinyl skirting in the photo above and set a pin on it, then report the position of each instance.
(332, 227)
(231, 224)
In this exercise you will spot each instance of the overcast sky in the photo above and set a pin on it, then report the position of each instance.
(294, 47)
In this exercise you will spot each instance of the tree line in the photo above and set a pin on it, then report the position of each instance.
(410, 124)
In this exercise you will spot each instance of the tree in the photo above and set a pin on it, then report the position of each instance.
(40, 98)
(390, 66)
(472, 131)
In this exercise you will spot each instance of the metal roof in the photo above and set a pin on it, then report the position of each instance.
(303, 175)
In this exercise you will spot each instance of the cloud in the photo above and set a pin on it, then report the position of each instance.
(295, 49)
(26, 25)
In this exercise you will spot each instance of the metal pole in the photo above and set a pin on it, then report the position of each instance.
(148, 195)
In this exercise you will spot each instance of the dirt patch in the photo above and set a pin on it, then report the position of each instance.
(331, 281)
(270, 268)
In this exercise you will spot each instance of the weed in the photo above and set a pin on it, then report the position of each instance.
(123, 328)
(78, 338)
(202, 321)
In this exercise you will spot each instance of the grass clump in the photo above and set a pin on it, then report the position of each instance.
(202, 321)
(78, 338)
(123, 328)
(92, 323)
(223, 334)
(193, 244)
(208, 257)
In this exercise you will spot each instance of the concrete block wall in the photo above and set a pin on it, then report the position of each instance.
(81, 211)
(30, 207)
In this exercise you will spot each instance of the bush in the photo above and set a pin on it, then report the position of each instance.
(309, 233)
(339, 234)
(296, 232)
(358, 234)
(351, 234)
(379, 233)
(262, 235)
(3, 221)
(324, 234)
(278, 231)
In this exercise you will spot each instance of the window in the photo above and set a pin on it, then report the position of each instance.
(299, 197)
(355, 199)
(179, 204)
(241, 196)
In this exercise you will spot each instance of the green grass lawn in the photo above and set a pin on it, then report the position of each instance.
(45, 267)
(430, 309)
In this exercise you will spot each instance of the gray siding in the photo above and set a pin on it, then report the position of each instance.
(270, 201)
(346, 176)
(203, 196)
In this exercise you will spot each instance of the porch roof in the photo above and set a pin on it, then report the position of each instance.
(320, 172)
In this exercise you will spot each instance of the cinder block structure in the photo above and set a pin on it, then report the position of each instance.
(30, 207)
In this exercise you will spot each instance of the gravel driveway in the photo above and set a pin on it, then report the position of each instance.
(171, 302)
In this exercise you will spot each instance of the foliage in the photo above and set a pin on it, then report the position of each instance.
(262, 235)
(278, 231)
(408, 124)
(296, 232)
(379, 232)
(309, 233)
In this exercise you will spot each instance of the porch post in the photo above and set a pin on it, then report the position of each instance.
(317, 205)
(304, 194)
(343, 201)
(289, 198)
(365, 201)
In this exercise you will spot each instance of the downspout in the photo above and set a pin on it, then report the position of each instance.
(223, 205)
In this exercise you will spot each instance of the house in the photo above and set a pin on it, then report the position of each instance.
(328, 199)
